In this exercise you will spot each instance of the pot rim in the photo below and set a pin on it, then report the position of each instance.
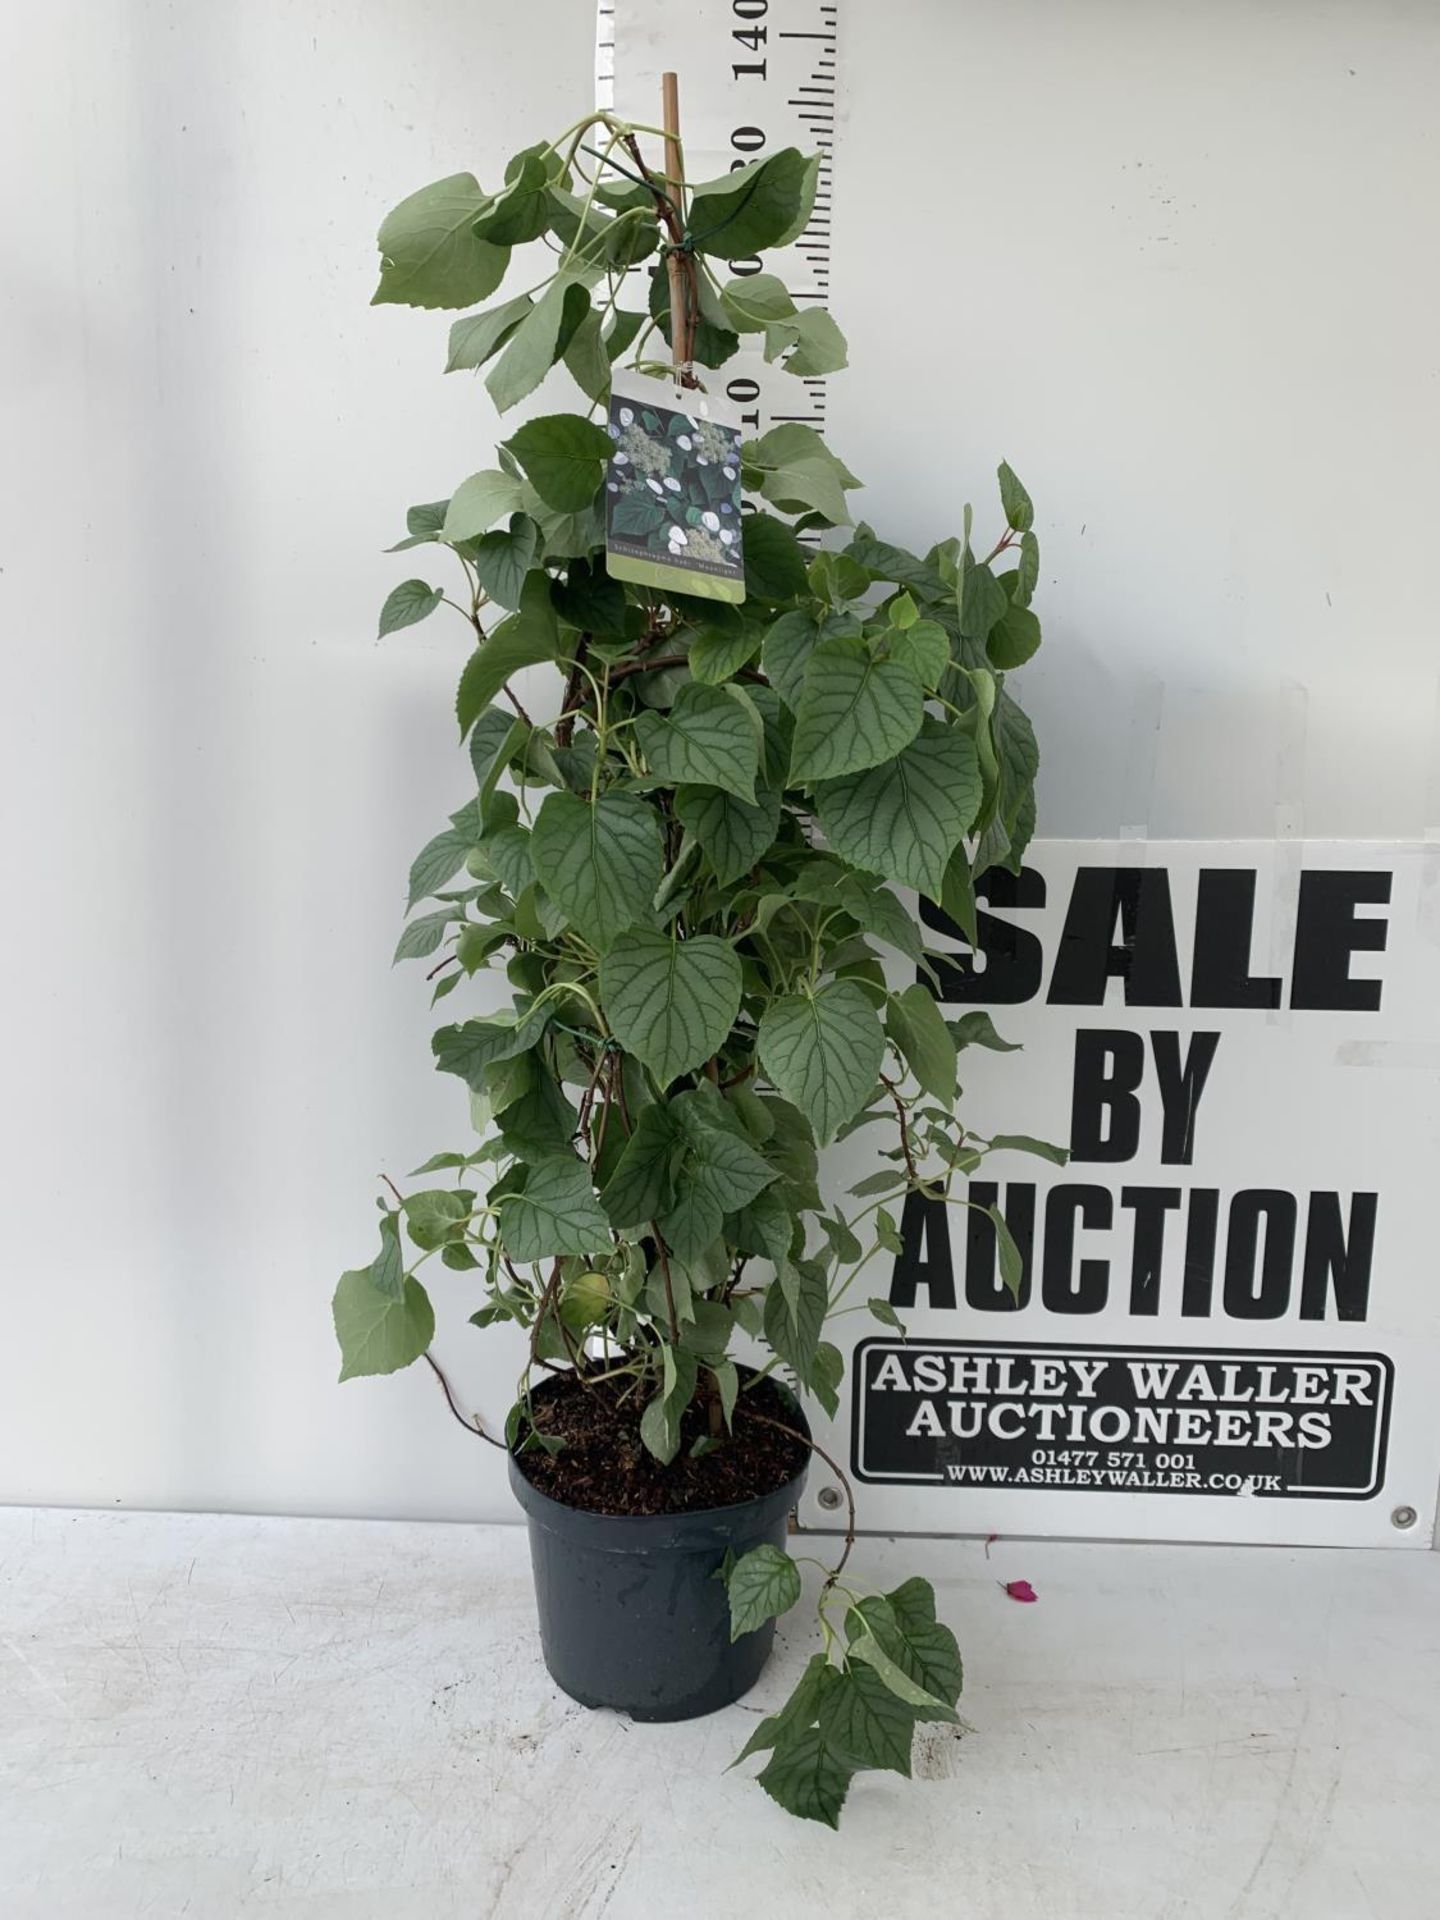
(791, 1487)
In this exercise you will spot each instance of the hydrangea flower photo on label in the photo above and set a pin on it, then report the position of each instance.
(672, 492)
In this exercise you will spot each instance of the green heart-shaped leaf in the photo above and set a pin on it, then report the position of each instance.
(855, 711)
(708, 738)
(671, 1002)
(823, 1051)
(601, 861)
(556, 1213)
(429, 253)
(903, 820)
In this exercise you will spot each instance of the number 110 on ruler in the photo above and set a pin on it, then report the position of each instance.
(755, 76)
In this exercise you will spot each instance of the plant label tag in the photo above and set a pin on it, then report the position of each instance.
(672, 489)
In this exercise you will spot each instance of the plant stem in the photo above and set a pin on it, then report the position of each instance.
(473, 1424)
(834, 1466)
(675, 228)
(627, 667)
(514, 701)
(669, 1286)
(565, 725)
(900, 1115)
(547, 1294)
(585, 209)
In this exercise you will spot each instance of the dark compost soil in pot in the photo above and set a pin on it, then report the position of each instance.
(604, 1467)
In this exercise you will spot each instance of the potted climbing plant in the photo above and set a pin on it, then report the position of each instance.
(687, 867)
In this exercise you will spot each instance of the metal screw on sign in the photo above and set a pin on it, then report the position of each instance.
(830, 1497)
(1401, 1517)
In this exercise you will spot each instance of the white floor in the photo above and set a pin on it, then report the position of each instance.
(225, 1716)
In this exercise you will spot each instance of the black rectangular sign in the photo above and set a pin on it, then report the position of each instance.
(1122, 1419)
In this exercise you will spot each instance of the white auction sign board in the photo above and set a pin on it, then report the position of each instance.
(1229, 1325)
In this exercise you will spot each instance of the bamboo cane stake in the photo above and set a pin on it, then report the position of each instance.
(681, 319)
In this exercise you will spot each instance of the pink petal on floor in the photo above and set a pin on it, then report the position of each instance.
(1021, 1590)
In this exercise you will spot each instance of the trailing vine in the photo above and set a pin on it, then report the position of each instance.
(685, 865)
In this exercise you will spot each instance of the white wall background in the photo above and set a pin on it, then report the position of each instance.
(1180, 260)
(214, 779)
(1188, 288)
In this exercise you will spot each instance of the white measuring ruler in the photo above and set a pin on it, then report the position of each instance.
(755, 76)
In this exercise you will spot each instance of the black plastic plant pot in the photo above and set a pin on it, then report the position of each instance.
(632, 1613)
